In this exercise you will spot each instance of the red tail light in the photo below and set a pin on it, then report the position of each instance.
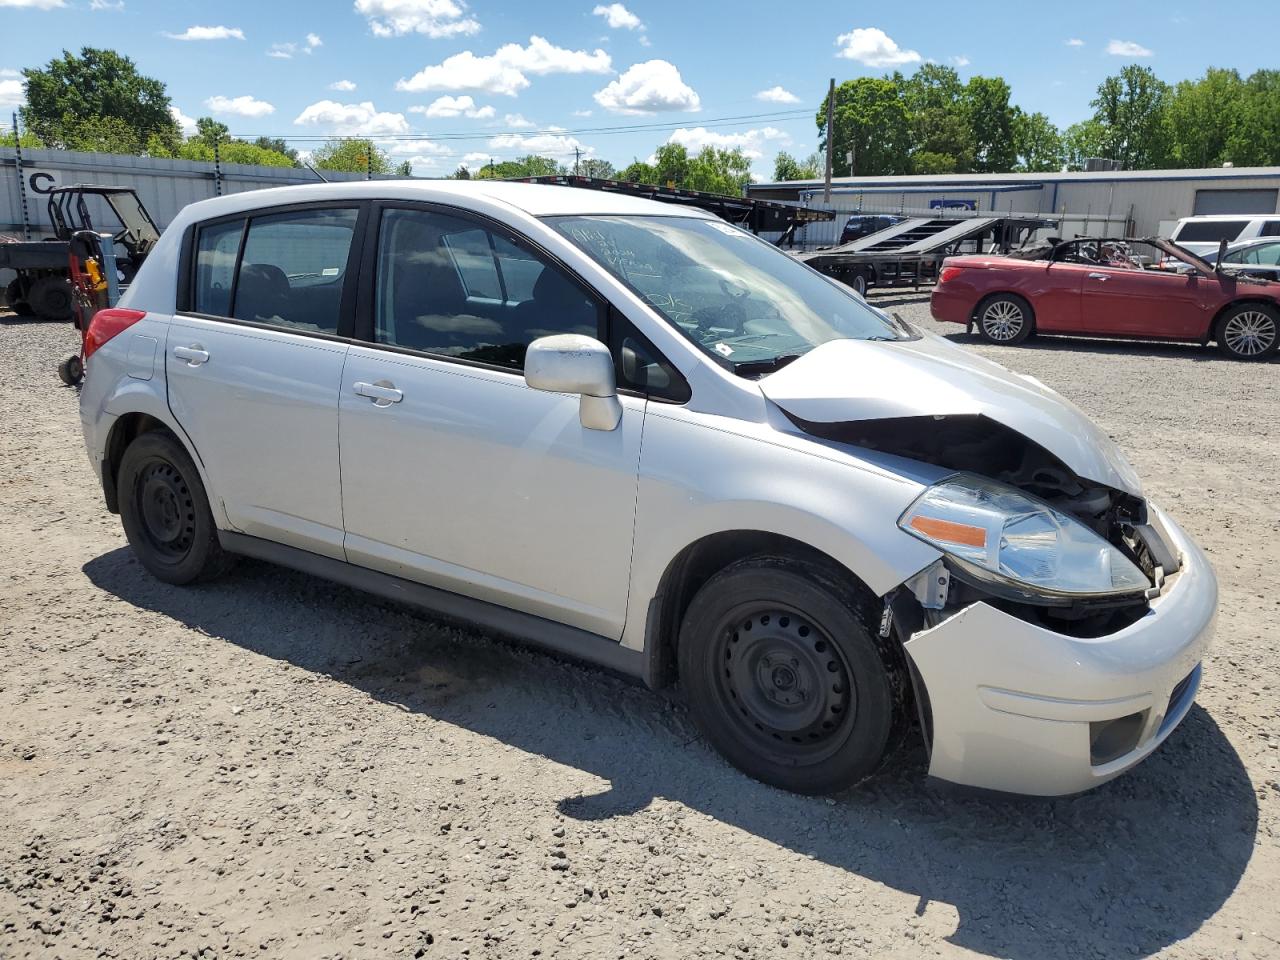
(948, 274)
(106, 324)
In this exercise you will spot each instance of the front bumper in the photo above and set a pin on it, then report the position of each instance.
(1020, 708)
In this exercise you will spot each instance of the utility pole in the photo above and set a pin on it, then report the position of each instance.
(577, 154)
(831, 110)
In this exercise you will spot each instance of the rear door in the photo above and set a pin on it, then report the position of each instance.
(1055, 295)
(254, 363)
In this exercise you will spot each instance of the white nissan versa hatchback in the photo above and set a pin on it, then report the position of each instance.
(645, 438)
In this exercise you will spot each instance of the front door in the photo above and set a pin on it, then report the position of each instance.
(254, 369)
(454, 472)
(1147, 303)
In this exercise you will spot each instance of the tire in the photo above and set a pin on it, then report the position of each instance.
(1006, 319)
(1249, 331)
(71, 371)
(786, 677)
(165, 512)
(50, 298)
(859, 284)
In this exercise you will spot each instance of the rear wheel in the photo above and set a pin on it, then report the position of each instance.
(71, 371)
(1005, 318)
(50, 298)
(859, 283)
(165, 512)
(784, 676)
(1249, 331)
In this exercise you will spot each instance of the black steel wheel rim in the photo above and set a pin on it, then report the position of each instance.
(166, 510)
(785, 685)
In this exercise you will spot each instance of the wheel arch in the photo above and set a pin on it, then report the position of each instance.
(992, 294)
(1212, 332)
(697, 563)
(127, 428)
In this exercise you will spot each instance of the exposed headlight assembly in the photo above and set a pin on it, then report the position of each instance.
(1019, 545)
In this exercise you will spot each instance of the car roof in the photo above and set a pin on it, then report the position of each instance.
(1232, 216)
(535, 199)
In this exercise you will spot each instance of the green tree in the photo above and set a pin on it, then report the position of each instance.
(1256, 138)
(1037, 142)
(210, 131)
(352, 156)
(600, 169)
(787, 167)
(278, 145)
(1082, 140)
(639, 172)
(671, 165)
(714, 170)
(1130, 107)
(991, 122)
(531, 165)
(29, 140)
(871, 118)
(77, 100)
(941, 133)
(462, 173)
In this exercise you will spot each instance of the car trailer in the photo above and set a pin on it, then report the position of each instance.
(911, 252)
(758, 216)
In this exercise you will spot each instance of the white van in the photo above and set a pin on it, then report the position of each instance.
(1202, 235)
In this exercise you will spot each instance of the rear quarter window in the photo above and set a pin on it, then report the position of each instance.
(1210, 231)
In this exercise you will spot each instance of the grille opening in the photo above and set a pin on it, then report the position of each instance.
(1111, 739)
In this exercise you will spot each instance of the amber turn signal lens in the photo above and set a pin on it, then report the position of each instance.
(948, 531)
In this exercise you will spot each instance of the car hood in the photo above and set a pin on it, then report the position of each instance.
(854, 380)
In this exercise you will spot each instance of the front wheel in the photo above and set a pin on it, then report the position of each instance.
(1006, 319)
(1249, 331)
(784, 676)
(165, 512)
(71, 371)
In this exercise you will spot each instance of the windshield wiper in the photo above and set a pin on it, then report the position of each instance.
(749, 367)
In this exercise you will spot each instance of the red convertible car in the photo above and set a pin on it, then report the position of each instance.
(1109, 288)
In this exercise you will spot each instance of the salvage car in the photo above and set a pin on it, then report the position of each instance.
(1111, 288)
(644, 438)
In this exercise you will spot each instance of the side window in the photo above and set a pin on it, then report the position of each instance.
(448, 287)
(216, 250)
(1269, 253)
(1270, 228)
(641, 367)
(293, 268)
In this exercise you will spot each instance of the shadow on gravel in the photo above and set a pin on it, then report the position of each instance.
(1042, 343)
(1127, 869)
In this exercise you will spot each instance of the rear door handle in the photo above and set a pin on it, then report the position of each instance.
(383, 393)
(1098, 276)
(194, 354)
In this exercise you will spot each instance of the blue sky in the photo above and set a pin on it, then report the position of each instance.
(442, 82)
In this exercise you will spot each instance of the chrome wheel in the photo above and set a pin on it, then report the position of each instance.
(1002, 320)
(1250, 333)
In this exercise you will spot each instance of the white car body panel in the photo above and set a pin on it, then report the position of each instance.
(861, 380)
(476, 484)
(1254, 227)
(479, 484)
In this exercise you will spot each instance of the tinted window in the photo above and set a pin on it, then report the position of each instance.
(216, 252)
(1210, 231)
(1264, 253)
(448, 287)
(293, 268)
(1270, 228)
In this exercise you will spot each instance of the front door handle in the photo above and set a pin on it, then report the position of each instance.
(383, 393)
(194, 354)
(1098, 276)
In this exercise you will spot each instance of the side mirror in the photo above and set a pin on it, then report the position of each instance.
(570, 363)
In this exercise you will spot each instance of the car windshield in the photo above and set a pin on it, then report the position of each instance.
(747, 304)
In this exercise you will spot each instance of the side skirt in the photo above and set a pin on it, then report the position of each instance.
(557, 637)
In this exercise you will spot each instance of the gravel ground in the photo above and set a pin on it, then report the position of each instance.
(274, 766)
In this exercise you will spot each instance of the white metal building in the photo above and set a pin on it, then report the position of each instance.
(1110, 202)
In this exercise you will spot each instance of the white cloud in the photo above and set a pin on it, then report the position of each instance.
(960, 60)
(505, 70)
(644, 41)
(411, 148)
(752, 143)
(517, 121)
(434, 18)
(579, 113)
(648, 88)
(353, 119)
(12, 92)
(34, 4)
(344, 85)
(208, 33)
(872, 47)
(455, 107)
(1074, 42)
(185, 123)
(240, 106)
(283, 51)
(618, 17)
(545, 144)
(313, 41)
(777, 95)
(475, 159)
(1127, 48)
(113, 5)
